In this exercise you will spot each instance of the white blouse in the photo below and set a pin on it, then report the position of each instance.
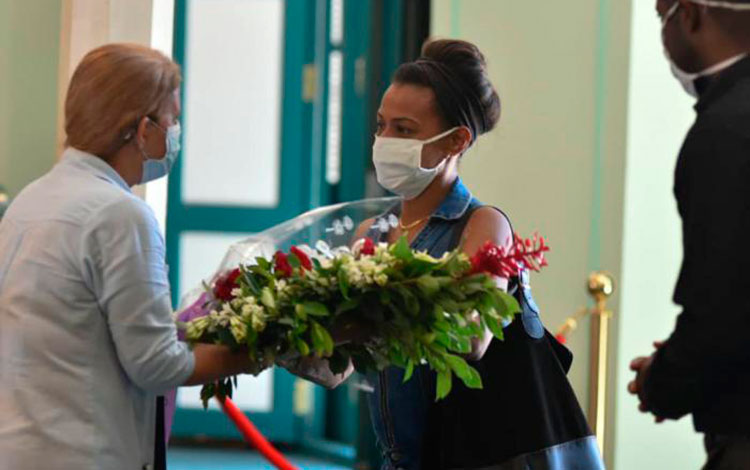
(87, 337)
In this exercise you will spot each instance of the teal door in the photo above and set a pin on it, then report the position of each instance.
(279, 98)
(248, 103)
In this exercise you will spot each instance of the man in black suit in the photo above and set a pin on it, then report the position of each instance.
(704, 367)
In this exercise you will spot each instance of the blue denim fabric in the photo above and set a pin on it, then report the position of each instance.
(399, 410)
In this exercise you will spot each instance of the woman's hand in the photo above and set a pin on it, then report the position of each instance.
(316, 370)
(213, 362)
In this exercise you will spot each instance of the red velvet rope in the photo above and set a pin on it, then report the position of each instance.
(254, 437)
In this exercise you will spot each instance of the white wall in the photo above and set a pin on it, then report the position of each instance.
(659, 114)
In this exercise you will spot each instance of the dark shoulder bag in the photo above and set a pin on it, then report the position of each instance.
(526, 416)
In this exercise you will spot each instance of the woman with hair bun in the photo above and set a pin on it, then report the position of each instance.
(526, 416)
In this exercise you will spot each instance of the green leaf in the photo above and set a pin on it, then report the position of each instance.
(316, 309)
(322, 341)
(250, 281)
(294, 261)
(444, 385)
(409, 371)
(419, 267)
(401, 249)
(299, 309)
(302, 347)
(411, 303)
(343, 283)
(464, 371)
(508, 305)
(496, 327)
(428, 285)
(262, 272)
(263, 263)
(226, 338)
(348, 305)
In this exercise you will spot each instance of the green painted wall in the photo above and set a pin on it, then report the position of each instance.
(29, 50)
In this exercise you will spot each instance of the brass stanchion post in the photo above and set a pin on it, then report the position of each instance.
(600, 287)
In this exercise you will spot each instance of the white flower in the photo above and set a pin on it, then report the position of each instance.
(254, 313)
(196, 328)
(238, 328)
(325, 263)
(381, 279)
(258, 323)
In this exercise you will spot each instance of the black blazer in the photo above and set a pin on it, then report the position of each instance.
(704, 367)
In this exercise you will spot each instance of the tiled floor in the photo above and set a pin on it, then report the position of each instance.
(185, 458)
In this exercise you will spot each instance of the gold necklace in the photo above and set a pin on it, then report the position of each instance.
(406, 228)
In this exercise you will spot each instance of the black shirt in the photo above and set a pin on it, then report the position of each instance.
(704, 367)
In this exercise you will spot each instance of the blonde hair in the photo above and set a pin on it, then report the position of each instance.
(111, 90)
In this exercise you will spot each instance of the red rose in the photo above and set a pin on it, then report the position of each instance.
(302, 257)
(368, 248)
(225, 284)
(282, 264)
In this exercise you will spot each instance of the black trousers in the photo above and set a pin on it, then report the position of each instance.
(160, 446)
(727, 452)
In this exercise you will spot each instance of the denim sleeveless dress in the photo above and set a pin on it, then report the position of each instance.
(399, 410)
(526, 417)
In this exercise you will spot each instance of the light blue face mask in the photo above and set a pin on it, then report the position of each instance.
(153, 169)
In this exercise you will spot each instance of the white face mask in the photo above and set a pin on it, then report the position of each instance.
(686, 79)
(398, 164)
(154, 169)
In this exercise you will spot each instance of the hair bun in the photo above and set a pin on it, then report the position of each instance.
(466, 62)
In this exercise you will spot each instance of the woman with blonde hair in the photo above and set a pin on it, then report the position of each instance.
(87, 341)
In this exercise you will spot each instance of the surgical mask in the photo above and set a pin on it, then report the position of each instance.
(398, 164)
(154, 169)
(687, 79)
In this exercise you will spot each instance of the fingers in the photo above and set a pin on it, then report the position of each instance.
(659, 419)
(637, 363)
(633, 387)
(659, 344)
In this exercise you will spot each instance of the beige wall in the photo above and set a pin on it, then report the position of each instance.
(29, 38)
(42, 41)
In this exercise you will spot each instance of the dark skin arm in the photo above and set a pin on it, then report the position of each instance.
(486, 224)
